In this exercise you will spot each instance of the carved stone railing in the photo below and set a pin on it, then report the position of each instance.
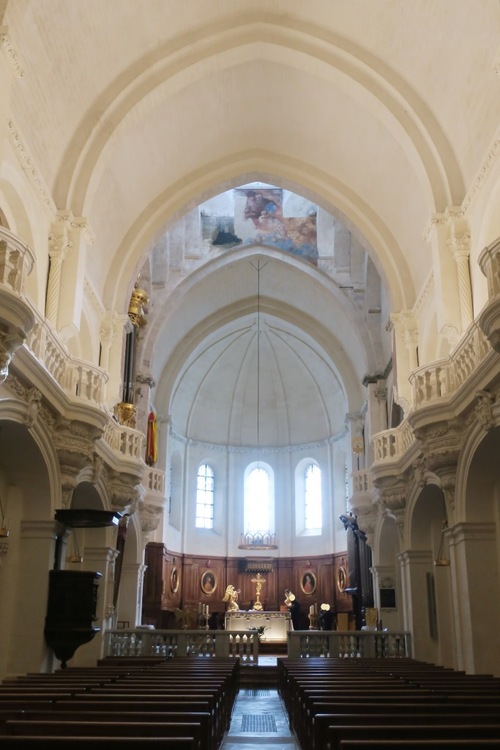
(16, 261)
(170, 644)
(389, 445)
(124, 440)
(154, 479)
(362, 482)
(16, 315)
(349, 644)
(444, 378)
(78, 379)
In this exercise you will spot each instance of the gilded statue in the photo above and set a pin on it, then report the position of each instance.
(231, 597)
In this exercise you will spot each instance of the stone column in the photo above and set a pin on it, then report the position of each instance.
(476, 596)
(420, 616)
(59, 246)
(35, 554)
(130, 597)
(101, 560)
(459, 244)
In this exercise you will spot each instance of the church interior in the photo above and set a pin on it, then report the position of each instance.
(249, 322)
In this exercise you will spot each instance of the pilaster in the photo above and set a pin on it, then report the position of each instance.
(404, 347)
(34, 553)
(449, 236)
(476, 595)
(102, 560)
(79, 236)
(112, 332)
(130, 596)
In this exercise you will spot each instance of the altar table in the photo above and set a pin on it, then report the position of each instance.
(276, 624)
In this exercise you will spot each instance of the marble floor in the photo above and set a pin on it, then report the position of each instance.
(259, 720)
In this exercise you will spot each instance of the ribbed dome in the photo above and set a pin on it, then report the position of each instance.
(269, 387)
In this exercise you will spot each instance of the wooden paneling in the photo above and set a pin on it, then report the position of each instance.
(168, 571)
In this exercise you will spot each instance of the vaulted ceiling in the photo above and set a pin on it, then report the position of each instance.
(135, 113)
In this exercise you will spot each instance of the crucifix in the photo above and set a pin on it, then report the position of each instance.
(258, 580)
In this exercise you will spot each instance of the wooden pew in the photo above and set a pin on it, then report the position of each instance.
(421, 732)
(121, 728)
(30, 742)
(322, 722)
(453, 744)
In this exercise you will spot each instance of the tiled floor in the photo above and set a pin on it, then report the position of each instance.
(259, 720)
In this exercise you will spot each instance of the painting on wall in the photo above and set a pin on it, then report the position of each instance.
(308, 582)
(174, 581)
(258, 218)
(208, 582)
(219, 230)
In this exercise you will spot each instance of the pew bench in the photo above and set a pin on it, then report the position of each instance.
(70, 729)
(420, 732)
(453, 744)
(322, 722)
(30, 742)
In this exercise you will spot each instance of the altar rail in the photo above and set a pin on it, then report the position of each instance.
(183, 643)
(336, 644)
(171, 644)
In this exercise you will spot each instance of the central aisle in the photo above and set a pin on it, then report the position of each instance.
(259, 720)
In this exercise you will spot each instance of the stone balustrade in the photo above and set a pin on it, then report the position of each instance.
(16, 261)
(154, 480)
(170, 644)
(389, 445)
(362, 482)
(443, 379)
(346, 644)
(124, 440)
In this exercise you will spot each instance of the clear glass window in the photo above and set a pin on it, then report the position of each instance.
(205, 497)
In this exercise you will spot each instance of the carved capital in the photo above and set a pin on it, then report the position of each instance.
(9, 342)
(392, 494)
(380, 393)
(484, 409)
(150, 516)
(459, 244)
(123, 490)
(74, 442)
(441, 443)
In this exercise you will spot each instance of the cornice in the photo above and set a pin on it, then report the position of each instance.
(11, 53)
(26, 161)
(253, 449)
(482, 176)
(425, 293)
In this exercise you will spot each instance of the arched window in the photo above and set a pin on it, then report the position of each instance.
(205, 497)
(313, 517)
(259, 500)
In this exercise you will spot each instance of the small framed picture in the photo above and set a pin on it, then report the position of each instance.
(208, 582)
(341, 579)
(308, 582)
(174, 581)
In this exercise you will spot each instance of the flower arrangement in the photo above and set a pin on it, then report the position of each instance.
(259, 630)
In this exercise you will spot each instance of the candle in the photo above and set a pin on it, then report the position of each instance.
(311, 610)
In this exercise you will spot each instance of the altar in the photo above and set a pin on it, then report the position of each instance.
(276, 624)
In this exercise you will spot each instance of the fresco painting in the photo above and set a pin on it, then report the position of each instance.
(258, 219)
